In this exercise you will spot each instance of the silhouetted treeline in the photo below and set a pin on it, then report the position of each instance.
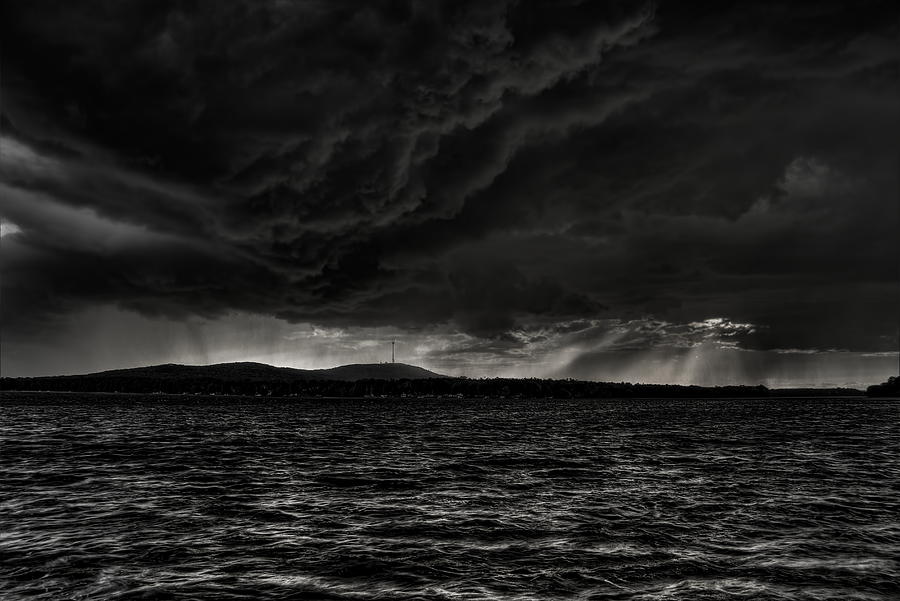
(438, 387)
(889, 388)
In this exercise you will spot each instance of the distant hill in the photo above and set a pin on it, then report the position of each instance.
(248, 371)
(369, 380)
(375, 371)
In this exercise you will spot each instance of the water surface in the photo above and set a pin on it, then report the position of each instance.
(156, 497)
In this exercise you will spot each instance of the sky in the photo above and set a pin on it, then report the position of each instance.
(693, 193)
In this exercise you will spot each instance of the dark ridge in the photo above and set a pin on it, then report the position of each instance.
(224, 371)
(378, 379)
(250, 371)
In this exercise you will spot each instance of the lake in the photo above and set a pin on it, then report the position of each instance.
(169, 497)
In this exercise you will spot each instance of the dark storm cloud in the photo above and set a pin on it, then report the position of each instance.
(498, 166)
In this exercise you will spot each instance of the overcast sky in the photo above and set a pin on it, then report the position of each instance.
(601, 190)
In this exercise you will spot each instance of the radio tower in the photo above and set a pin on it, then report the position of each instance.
(392, 351)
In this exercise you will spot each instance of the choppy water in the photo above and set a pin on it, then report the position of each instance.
(119, 497)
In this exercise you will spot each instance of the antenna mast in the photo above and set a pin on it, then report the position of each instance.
(392, 351)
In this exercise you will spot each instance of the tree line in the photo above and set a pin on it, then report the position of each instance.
(427, 387)
(889, 388)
